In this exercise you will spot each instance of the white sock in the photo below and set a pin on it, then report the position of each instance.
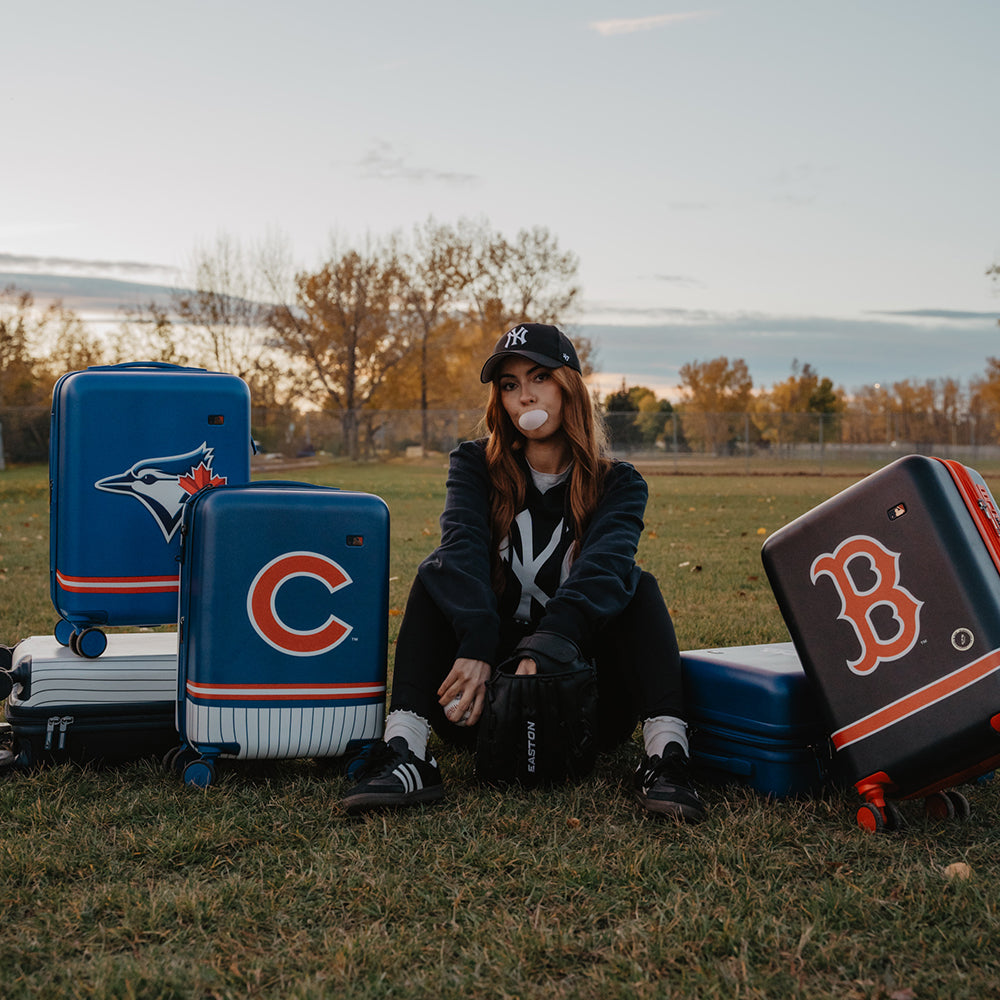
(415, 729)
(660, 730)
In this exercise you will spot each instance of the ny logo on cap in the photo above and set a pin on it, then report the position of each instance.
(515, 338)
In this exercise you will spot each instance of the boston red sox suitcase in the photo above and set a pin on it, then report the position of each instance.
(890, 591)
(284, 624)
(129, 445)
(63, 709)
(755, 720)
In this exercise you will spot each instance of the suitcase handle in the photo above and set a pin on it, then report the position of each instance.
(286, 482)
(160, 365)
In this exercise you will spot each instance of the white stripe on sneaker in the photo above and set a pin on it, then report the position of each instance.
(409, 777)
(415, 777)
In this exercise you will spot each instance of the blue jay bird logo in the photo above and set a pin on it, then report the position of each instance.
(162, 485)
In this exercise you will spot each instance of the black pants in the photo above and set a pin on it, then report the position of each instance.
(636, 655)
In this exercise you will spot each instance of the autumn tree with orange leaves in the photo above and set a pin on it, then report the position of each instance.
(716, 395)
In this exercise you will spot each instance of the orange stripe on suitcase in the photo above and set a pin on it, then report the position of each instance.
(917, 701)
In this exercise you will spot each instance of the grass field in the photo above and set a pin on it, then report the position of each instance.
(123, 883)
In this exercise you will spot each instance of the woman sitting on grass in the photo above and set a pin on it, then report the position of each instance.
(538, 535)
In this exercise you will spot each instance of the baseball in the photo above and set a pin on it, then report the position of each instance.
(451, 707)
(532, 420)
(958, 870)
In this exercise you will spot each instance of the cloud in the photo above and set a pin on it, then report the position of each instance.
(383, 163)
(955, 314)
(627, 26)
(93, 296)
(851, 352)
(799, 185)
(680, 280)
(29, 264)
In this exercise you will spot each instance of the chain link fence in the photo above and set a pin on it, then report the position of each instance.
(738, 442)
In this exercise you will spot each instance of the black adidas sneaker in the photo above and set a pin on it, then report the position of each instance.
(663, 786)
(390, 774)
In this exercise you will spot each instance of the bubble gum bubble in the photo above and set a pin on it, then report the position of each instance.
(532, 420)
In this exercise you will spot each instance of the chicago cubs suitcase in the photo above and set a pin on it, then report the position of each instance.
(891, 595)
(284, 624)
(62, 709)
(129, 445)
(755, 720)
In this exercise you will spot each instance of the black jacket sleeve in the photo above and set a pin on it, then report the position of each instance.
(604, 575)
(457, 572)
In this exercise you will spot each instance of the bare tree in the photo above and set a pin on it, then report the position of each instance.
(346, 325)
(437, 270)
(227, 308)
(148, 333)
(527, 279)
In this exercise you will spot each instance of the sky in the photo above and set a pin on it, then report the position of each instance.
(765, 179)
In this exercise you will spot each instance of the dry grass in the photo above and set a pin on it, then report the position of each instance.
(122, 883)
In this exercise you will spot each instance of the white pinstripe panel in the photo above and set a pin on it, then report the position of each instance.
(283, 733)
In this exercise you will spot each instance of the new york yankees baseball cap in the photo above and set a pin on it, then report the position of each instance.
(538, 342)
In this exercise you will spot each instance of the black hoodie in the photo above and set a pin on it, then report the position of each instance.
(570, 599)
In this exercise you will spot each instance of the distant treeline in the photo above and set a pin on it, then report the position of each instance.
(398, 325)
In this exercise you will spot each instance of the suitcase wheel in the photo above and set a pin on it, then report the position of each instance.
(963, 810)
(89, 643)
(199, 773)
(64, 632)
(177, 758)
(948, 804)
(888, 819)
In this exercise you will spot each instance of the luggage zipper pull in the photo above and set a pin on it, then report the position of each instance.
(991, 514)
(64, 723)
(50, 727)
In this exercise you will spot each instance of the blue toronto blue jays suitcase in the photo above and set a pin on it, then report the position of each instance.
(284, 624)
(129, 445)
(755, 720)
(890, 591)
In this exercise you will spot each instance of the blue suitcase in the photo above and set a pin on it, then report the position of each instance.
(129, 445)
(755, 720)
(283, 624)
(891, 593)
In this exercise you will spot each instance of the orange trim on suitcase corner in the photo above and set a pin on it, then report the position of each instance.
(980, 504)
(917, 701)
(873, 788)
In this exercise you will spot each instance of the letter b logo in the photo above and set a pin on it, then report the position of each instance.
(859, 602)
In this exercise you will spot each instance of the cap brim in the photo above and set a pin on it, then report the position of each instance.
(492, 363)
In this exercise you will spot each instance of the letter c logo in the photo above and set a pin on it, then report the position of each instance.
(262, 596)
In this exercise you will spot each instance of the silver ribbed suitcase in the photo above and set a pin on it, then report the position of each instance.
(63, 708)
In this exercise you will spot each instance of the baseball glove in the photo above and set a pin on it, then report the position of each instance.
(539, 729)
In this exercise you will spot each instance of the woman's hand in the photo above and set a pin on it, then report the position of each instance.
(527, 666)
(466, 681)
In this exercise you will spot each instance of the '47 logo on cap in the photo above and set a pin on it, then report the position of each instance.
(858, 603)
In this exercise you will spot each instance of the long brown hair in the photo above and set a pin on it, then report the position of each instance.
(585, 436)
